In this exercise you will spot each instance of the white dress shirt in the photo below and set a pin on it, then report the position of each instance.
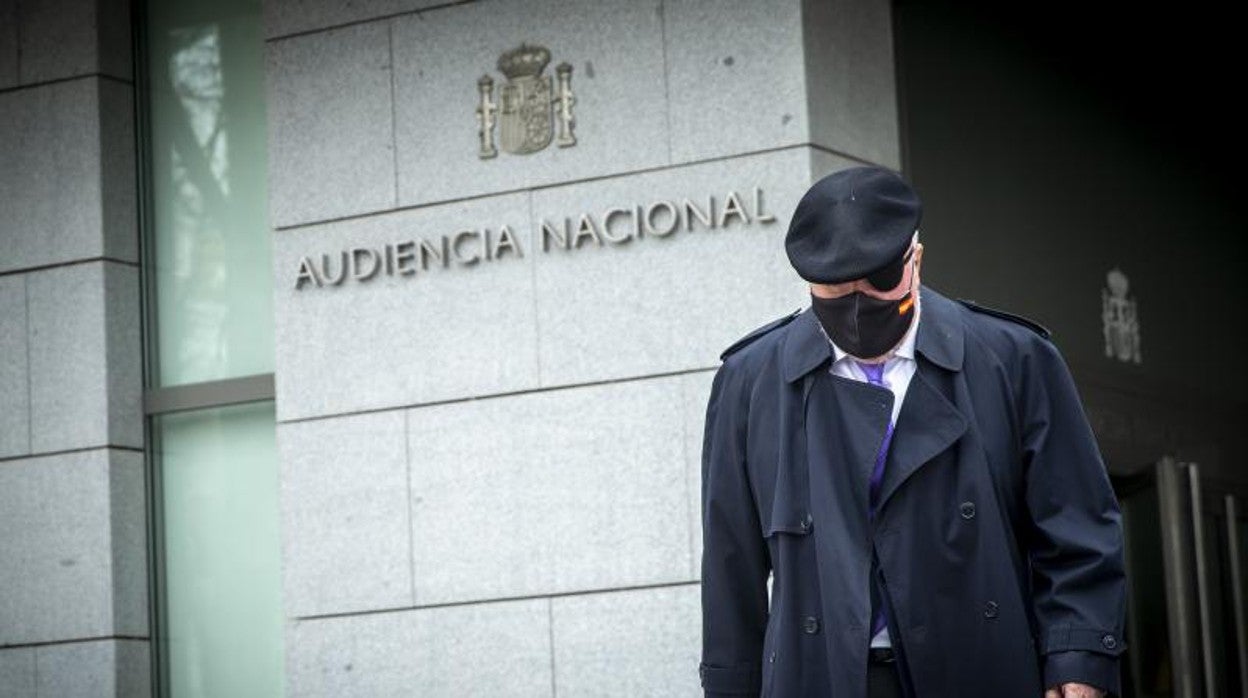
(898, 370)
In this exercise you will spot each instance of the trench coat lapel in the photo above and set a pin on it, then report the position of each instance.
(927, 425)
(929, 422)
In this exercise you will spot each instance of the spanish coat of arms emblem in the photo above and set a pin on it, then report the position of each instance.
(1120, 319)
(529, 104)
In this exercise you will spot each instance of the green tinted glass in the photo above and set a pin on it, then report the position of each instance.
(207, 177)
(221, 552)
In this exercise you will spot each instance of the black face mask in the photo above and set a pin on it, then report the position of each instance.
(862, 325)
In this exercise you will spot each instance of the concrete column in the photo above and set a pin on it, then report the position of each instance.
(73, 568)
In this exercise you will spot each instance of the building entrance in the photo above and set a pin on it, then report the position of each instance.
(1186, 554)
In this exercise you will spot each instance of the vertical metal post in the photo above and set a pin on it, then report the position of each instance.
(1177, 560)
(1203, 593)
(1237, 588)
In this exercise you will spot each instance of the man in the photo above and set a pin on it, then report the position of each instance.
(916, 474)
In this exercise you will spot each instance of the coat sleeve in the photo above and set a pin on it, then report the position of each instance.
(735, 562)
(1076, 542)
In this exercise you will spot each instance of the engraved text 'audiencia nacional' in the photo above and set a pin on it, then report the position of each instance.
(615, 226)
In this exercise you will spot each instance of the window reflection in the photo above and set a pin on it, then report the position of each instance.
(209, 200)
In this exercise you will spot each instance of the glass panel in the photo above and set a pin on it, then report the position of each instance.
(1222, 628)
(221, 551)
(207, 184)
(1147, 669)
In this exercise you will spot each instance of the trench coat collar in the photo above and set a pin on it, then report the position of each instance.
(940, 338)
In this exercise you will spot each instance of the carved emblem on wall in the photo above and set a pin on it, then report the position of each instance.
(1120, 319)
(529, 104)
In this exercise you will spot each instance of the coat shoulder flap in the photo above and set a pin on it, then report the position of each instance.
(759, 332)
(1019, 319)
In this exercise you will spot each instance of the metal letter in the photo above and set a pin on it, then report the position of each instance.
(507, 240)
(606, 225)
(758, 207)
(355, 263)
(587, 228)
(732, 207)
(671, 210)
(549, 232)
(306, 271)
(426, 251)
(342, 269)
(403, 253)
(458, 238)
(707, 217)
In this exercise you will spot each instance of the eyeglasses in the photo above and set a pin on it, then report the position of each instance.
(887, 278)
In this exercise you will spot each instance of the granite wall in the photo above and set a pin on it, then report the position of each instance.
(491, 373)
(73, 568)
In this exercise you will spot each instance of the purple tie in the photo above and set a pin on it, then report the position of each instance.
(875, 376)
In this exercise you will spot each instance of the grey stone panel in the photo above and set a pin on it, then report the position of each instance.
(59, 578)
(68, 357)
(50, 139)
(442, 333)
(118, 177)
(128, 534)
(14, 368)
(615, 49)
(8, 43)
(134, 659)
(67, 38)
(695, 391)
(17, 672)
(850, 79)
(346, 531)
(331, 150)
(494, 649)
(640, 642)
(824, 163)
(85, 375)
(672, 303)
(125, 359)
(549, 492)
(736, 79)
(58, 39)
(116, 43)
(101, 669)
(283, 17)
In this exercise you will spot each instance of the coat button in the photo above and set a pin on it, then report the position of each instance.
(810, 624)
(968, 510)
(771, 659)
(1108, 642)
(990, 609)
(806, 522)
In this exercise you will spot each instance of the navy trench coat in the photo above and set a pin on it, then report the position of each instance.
(998, 536)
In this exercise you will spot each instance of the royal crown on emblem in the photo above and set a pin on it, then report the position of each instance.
(523, 61)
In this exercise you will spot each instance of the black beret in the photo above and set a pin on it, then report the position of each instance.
(852, 223)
